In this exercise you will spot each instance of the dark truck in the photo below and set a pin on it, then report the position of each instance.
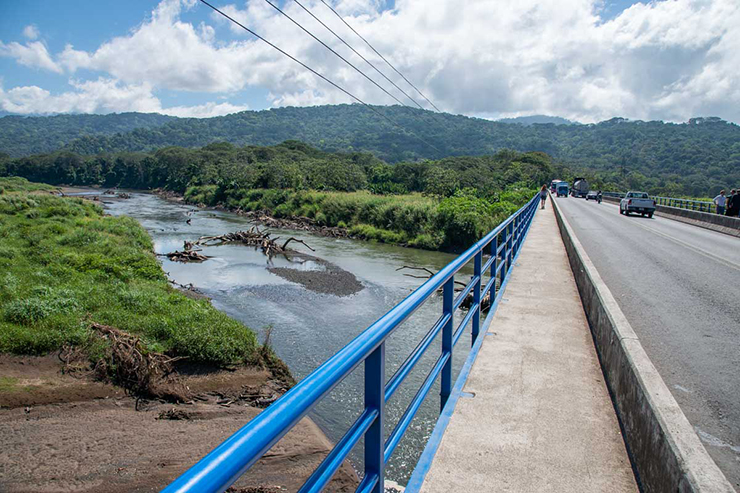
(580, 187)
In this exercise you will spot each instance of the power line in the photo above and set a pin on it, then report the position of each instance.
(378, 53)
(332, 50)
(358, 53)
(324, 78)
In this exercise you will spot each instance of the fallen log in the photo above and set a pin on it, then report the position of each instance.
(186, 256)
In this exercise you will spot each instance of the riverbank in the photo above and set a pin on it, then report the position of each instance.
(98, 353)
(448, 224)
(75, 433)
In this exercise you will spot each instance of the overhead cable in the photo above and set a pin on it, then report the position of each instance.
(378, 53)
(322, 77)
(357, 53)
(333, 51)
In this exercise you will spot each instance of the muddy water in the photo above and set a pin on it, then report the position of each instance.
(308, 327)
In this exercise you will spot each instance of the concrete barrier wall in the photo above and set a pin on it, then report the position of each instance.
(664, 448)
(723, 224)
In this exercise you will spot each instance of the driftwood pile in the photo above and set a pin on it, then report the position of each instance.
(139, 370)
(300, 223)
(186, 255)
(485, 302)
(252, 237)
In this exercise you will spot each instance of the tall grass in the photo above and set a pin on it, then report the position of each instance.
(63, 265)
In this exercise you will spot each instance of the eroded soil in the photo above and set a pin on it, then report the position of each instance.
(65, 433)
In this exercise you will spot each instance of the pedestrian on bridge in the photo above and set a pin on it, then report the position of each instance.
(733, 204)
(720, 201)
(543, 196)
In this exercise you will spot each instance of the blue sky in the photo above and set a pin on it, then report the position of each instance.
(87, 24)
(581, 59)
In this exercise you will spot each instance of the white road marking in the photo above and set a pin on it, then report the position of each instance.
(722, 260)
(719, 259)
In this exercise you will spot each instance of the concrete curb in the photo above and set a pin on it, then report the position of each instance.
(664, 448)
(721, 224)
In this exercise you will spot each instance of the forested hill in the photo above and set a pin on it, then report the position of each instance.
(22, 135)
(697, 156)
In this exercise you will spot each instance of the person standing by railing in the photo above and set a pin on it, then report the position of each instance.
(720, 201)
(733, 204)
(543, 196)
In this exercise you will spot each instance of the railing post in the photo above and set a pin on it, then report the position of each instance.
(375, 399)
(478, 266)
(510, 246)
(494, 264)
(518, 231)
(448, 294)
(504, 255)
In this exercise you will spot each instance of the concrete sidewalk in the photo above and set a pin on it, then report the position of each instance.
(540, 417)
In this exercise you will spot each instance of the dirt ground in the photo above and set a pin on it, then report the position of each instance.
(73, 434)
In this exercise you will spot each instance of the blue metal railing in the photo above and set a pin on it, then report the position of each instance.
(227, 462)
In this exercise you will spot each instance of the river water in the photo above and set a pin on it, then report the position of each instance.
(309, 327)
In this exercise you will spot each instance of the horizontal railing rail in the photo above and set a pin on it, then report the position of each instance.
(693, 205)
(232, 458)
(617, 195)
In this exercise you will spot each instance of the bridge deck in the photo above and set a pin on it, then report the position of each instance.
(540, 418)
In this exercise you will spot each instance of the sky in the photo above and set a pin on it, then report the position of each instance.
(585, 60)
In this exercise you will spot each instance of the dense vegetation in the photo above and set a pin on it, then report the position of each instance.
(452, 223)
(695, 158)
(64, 265)
(21, 136)
(430, 204)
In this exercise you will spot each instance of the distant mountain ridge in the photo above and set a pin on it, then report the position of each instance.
(705, 151)
(537, 119)
(24, 135)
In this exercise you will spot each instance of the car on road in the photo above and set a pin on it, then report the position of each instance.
(637, 202)
(561, 189)
(592, 195)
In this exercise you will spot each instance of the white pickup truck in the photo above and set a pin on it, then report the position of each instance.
(638, 202)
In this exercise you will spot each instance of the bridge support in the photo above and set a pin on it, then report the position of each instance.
(448, 294)
(375, 399)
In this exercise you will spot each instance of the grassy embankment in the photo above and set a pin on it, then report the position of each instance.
(452, 223)
(65, 265)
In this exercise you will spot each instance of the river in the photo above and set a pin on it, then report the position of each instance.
(308, 327)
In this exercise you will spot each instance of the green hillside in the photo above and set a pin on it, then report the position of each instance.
(24, 135)
(694, 158)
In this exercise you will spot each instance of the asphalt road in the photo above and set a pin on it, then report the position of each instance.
(679, 286)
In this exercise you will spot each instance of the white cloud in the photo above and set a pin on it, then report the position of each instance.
(31, 32)
(670, 59)
(666, 59)
(102, 96)
(204, 110)
(32, 54)
(99, 96)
